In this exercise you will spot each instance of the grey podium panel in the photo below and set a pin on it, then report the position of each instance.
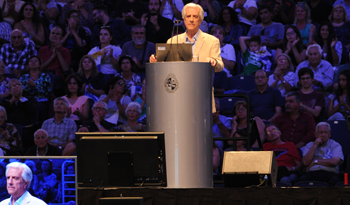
(179, 99)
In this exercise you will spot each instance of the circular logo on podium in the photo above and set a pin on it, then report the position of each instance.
(171, 84)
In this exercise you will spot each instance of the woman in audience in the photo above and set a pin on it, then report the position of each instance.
(303, 23)
(4, 81)
(78, 103)
(283, 76)
(84, 9)
(132, 112)
(339, 103)
(28, 21)
(341, 24)
(292, 46)
(106, 56)
(127, 65)
(240, 122)
(9, 139)
(227, 51)
(332, 48)
(228, 19)
(93, 81)
(47, 176)
(116, 100)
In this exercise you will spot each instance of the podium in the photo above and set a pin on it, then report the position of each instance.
(179, 103)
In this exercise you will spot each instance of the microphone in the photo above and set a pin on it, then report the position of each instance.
(171, 43)
(177, 39)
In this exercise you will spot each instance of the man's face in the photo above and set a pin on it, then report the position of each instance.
(154, 7)
(99, 111)
(273, 133)
(323, 133)
(15, 183)
(260, 78)
(17, 39)
(16, 88)
(138, 36)
(265, 16)
(41, 140)
(60, 106)
(192, 19)
(306, 81)
(97, 16)
(314, 57)
(291, 104)
(55, 34)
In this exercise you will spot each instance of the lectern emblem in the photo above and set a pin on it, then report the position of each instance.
(171, 84)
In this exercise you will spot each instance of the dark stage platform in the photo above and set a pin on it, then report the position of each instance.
(224, 196)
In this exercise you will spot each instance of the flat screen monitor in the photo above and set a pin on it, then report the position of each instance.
(121, 159)
(173, 52)
(54, 179)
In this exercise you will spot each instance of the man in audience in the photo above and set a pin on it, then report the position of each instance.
(271, 33)
(172, 9)
(10, 9)
(311, 100)
(296, 125)
(266, 102)
(98, 124)
(139, 48)
(19, 176)
(42, 146)
(15, 55)
(158, 28)
(221, 125)
(61, 130)
(55, 57)
(323, 70)
(121, 32)
(283, 11)
(322, 157)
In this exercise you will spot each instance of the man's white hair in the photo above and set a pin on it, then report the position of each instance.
(40, 130)
(323, 124)
(27, 174)
(318, 47)
(193, 5)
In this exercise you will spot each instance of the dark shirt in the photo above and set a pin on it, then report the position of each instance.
(52, 151)
(107, 125)
(288, 7)
(300, 130)
(321, 11)
(264, 104)
(97, 82)
(163, 34)
(343, 33)
(21, 112)
(312, 100)
(121, 32)
(220, 80)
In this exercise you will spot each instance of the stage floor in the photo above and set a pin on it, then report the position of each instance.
(223, 196)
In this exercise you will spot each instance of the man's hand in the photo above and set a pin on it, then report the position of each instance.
(153, 59)
(212, 61)
(154, 21)
(144, 20)
(317, 142)
(83, 129)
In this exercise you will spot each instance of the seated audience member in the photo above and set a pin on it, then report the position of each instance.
(271, 33)
(49, 12)
(228, 20)
(266, 102)
(227, 54)
(339, 103)
(221, 126)
(286, 153)
(28, 21)
(139, 48)
(320, 10)
(76, 39)
(4, 82)
(46, 176)
(158, 28)
(5, 30)
(311, 101)
(15, 55)
(127, 66)
(211, 10)
(132, 112)
(84, 11)
(256, 57)
(240, 122)
(296, 125)
(10, 142)
(93, 80)
(3, 179)
(42, 146)
(283, 76)
(172, 9)
(78, 109)
(130, 11)
(344, 4)
(322, 157)
(120, 31)
(10, 9)
(55, 58)
(116, 100)
(283, 11)
(322, 69)
(332, 49)
(60, 129)
(98, 124)
(303, 23)
(106, 56)
(140, 98)
(292, 45)
(247, 11)
(341, 24)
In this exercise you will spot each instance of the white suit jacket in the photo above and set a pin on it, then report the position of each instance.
(28, 200)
